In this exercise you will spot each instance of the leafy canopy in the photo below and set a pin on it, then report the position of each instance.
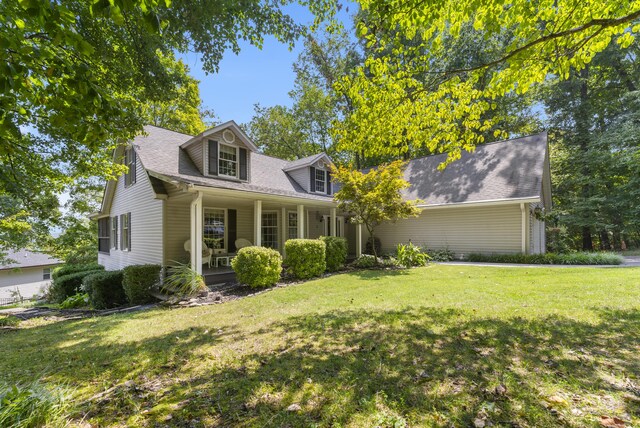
(375, 196)
(407, 90)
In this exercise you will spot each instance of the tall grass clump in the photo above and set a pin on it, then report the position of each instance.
(33, 405)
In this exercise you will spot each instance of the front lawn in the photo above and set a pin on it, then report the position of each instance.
(435, 346)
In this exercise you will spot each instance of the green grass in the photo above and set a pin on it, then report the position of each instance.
(426, 347)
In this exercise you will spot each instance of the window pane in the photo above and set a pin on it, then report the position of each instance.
(270, 230)
(292, 224)
(214, 229)
(228, 160)
(320, 181)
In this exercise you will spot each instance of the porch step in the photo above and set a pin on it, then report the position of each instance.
(218, 278)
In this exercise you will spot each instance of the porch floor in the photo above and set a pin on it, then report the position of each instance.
(219, 275)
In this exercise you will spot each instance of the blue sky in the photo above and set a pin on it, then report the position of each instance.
(253, 76)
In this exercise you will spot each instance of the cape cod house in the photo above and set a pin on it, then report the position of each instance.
(200, 198)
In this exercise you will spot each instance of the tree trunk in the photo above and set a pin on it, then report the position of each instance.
(605, 243)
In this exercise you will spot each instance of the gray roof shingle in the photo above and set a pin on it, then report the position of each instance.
(508, 169)
(160, 152)
(26, 258)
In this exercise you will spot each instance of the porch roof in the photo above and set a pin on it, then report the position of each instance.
(161, 155)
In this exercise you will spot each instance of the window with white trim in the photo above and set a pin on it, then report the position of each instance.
(292, 225)
(228, 160)
(114, 232)
(270, 230)
(321, 179)
(46, 274)
(125, 219)
(214, 228)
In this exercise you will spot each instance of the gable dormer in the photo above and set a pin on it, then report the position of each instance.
(313, 174)
(222, 152)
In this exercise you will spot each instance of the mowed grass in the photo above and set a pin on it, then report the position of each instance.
(434, 346)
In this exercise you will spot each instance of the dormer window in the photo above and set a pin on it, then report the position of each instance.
(228, 161)
(321, 179)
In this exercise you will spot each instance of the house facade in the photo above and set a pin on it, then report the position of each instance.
(186, 198)
(26, 270)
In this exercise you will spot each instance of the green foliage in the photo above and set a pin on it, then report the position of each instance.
(139, 280)
(68, 285)
(408, 92)
(374, 197)
(577, 258)
(105, 289)
(182, 280)
(366, 261)
(76, 301)
(257, 266)
(33, 405)
(336, 251)
(9, 321)
(306, 258)
(410, 255)
(441, 255)
(68, 268)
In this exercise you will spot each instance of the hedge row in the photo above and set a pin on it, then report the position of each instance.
(549, 258)
(68, 285)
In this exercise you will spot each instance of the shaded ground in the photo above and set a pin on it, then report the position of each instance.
(438, 346)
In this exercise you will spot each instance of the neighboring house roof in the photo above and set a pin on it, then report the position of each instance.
(26, 258)
(504, 170)
(308, 161)
(161, 155)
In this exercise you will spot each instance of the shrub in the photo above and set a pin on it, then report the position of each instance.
(306, 258)
(76, 301)
(441, 255)
(368, 248)
(410, 255)
(9, 321)
(257, 266)
(366, 261)
(182, 280)
(138, 281)
(336, 252)
(105, 289)
(68, 285)
(33, 406)
(68, 269)
(550, 258)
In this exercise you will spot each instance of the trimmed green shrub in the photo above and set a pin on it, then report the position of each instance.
(410, 255)
(33, 405)
(366, 261)
(182, 280)
(441, 255)
(306, 258)
(105, 289)
(336, 252)
(549, 258)
(76, 301)
(68, 285)
(68, 269)
(257, 266)
(138, 281)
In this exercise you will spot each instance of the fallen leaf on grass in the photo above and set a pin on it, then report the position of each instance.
(609, 422)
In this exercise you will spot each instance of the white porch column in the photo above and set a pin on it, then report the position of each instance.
(524, 227)
(284, 228)
(332, 227)
(359, 240)
(301, 221)
(196, 233)
(257, 223)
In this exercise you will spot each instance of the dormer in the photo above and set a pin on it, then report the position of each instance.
(312, 173)
(222, 152)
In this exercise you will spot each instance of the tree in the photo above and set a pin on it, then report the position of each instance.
(409, 91)
(374, 197)
(79, 77)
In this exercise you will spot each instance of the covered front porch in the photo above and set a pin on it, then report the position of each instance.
(207, 226)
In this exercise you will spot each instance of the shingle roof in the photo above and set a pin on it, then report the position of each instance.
(26, 258)
(503, 170)
(160, 152)
(307, 161)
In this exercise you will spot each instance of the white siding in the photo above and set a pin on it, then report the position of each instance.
(495, 229)
(26, 275)
(146, 223)
(301, 176)
(196, 153)
(537, 231)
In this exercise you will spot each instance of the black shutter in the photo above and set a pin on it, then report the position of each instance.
(213, 157)
(115, 228)
(129, 231)
(122, 232)
(312, 179)
(132, 168)
(329, 190)
(243, 164)
(232, 233)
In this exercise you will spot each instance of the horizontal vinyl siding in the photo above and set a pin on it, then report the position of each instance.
(196, 153)
(27, 275)
(494, 229)
(146, 223)
(301, 176)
